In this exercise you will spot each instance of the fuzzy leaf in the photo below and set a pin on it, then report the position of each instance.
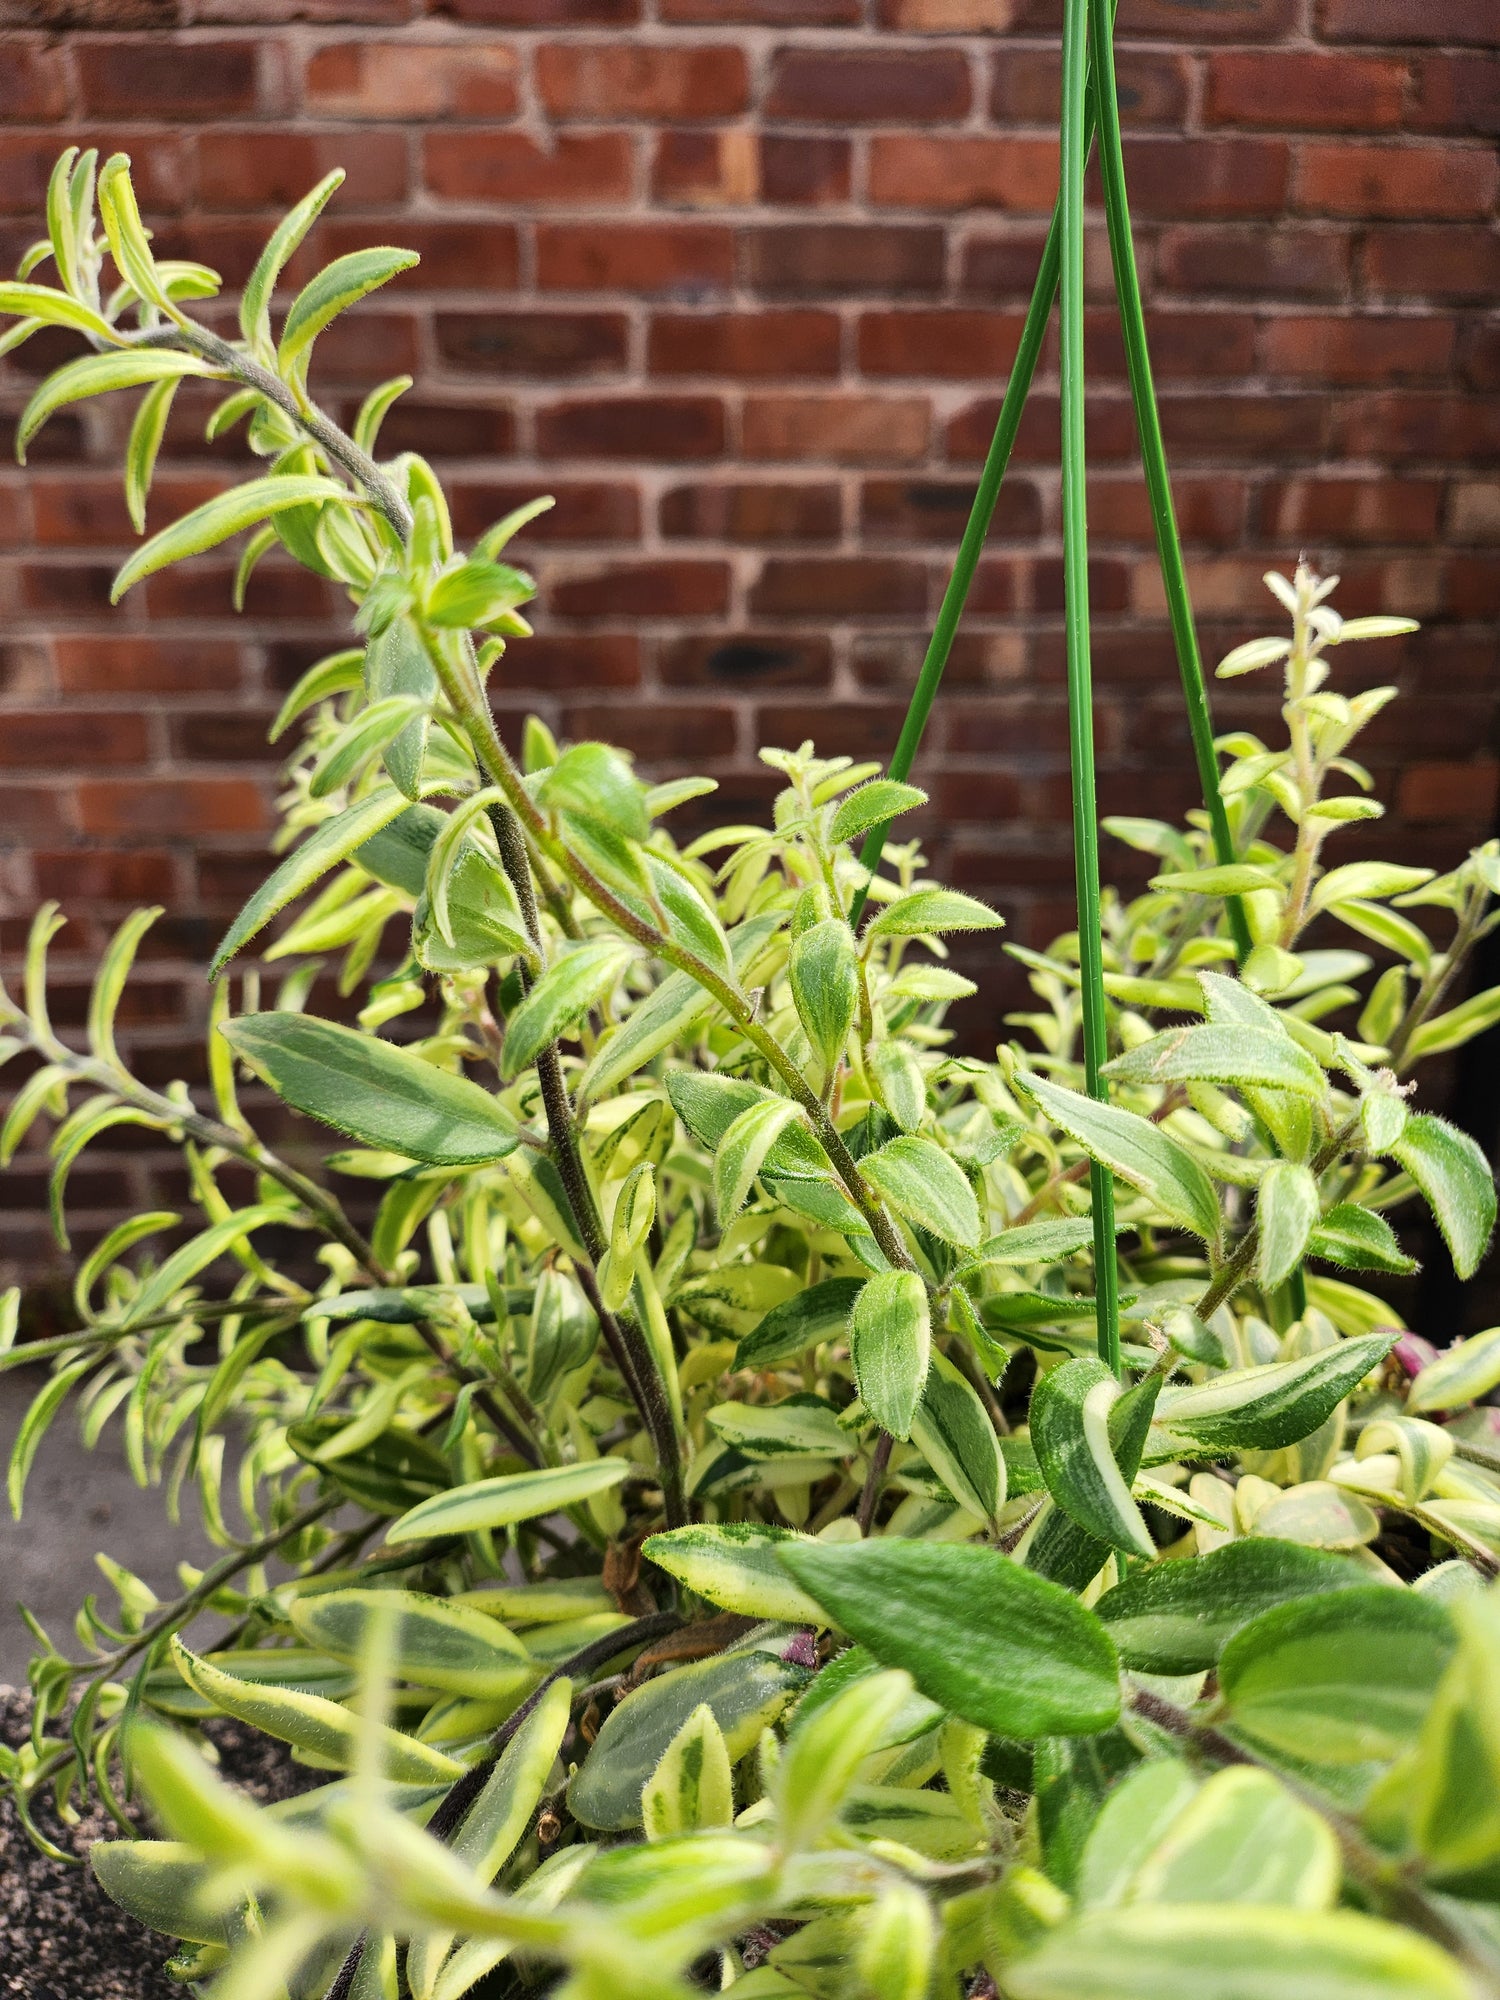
(227, 514)
(1137, 1152)
(1264, 1409)
(1358, 1239)
(733, 1565)
(97, 375)
(819, 1313)
(979, 1635)
(742, 1153)
(926, 911)
(1465, 1372)
(953, 1432)
(1454, 1176)
(574, 982)
(329, 843)
(1069, 1424)
(890, 1342)
(923, 1183)
(255, 301)
(1234, 1056)
(595, 780)
(381, 1095)
(1286, 1207)
(824, 974)
(339, 285)
(433, 1643)
(515, 1496)
(875, 804)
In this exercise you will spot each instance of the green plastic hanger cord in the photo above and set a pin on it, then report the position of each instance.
(1080, 676)
(1106, 106)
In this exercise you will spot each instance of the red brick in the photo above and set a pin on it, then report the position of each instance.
(948, 17)
(107, 663)
(448, 430)
(1456, 94)
(189, 82)
(848, 428)
(768, 13)
(1251, 261)
(912, 170)
(562, 662)
(246, 171)
(1026, 86)
(411, 80)
(1345, 511)
(641, 80)
(1427, 262)
(184, 807)
(686, 737)
(634, 257)
(654, 428)
(1039, 439)
(838, 587)
(706, 169)
(943, 342)
(867, 86)
(645, 590)
(1185, 177)
(1394, 21)
(33, 84)
(746, 512)
(937, 510)
(1002, 267)
(746, 659)
(1395, 180)
(1210, 511)
(456, 256)
(103, 877)
(1479, 356)
(1355, 350)
(81, 513)
(1447, 792)
(1184, 21)
(366, 346)
(585, 510)
(1294, 91)
(545, 344)
(846, 728)
(1245, 427)
(543, 13)
(159, 169)
(223, 736)
(1474, 511)
(64, 738)
(845, 258)
(1401, 425)
(744, 345)
(1183, 344)
(803, 171)
(513, 167)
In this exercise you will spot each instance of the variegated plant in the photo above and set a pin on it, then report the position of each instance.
(715, 1542)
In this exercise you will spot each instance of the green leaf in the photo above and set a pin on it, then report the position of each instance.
(1136, 1152)
(185, 1262)
(1457, 1026)
(1252, 654)
(693, 1785)
(1358, 1239)
(1454, 1176)
(1235, 878)
(383, 1096)
(928, 1187)
(661, 1020)
(1266, 1408)
(953, 1432)
(799, 1426)
(397, 664)
(329, 843)
(1286, 1207)
(927, 911)
(874, 804)
(733, 1565)
(823, 971)
(708, 1104)
(477, 593)
(433, 1643)
(1362, 880)
(363, 737)
(44, 302)
(255, 302)
(1175, 1617)
(745, 1692)
(576, 981)
(1234, 1952)
(1465, 1372)
(515, 1496)
(35, 1424)
(311, 1724)
(1135, 1815)
(826, 1749)
(335, 675)
(1341, 1678)
(1449, 1786)
(1234, 1055)
(742, 1153)
(146, 434)
(890, 1343)
(899, 1080)
(1036, 1242)
(161, 1883)
(340, 284)
(97, 375)
(1243, 1839)
(1069, 1422)
(982, 1637)
(595, 780)
(218, 519)
(802, 1321)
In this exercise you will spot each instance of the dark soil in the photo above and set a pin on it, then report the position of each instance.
(61, 1938)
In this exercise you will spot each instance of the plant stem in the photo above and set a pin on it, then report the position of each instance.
(1080, 679)
(880, 1458)
(1153, 452)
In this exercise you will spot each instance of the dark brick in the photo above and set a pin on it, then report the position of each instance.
(545, 344)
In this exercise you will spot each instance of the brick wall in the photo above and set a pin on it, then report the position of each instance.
(736, 280)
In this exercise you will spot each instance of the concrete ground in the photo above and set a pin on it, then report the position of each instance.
(77, 1502)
